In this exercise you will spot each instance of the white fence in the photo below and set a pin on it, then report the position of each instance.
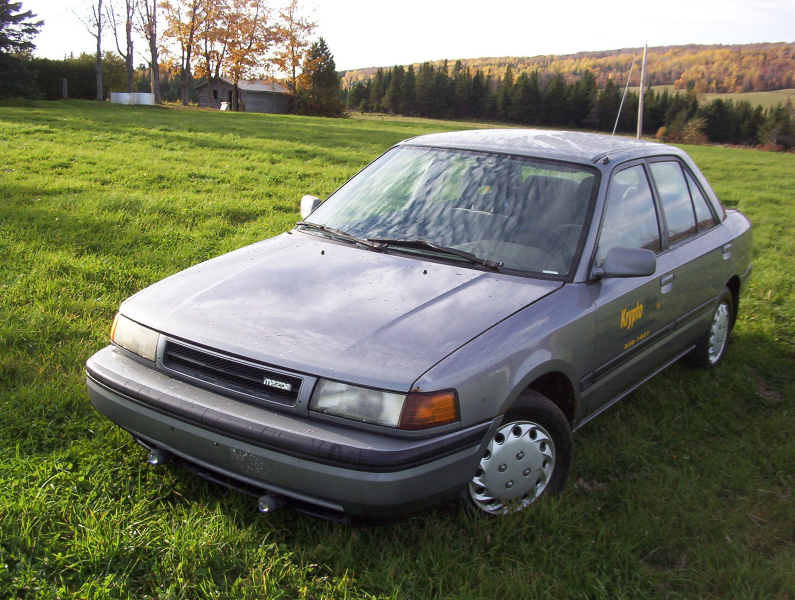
(134, 98)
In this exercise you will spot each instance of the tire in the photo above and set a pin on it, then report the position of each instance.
(711, 347)
(529, 456)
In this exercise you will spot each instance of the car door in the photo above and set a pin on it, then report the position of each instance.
(634, 314)
(698, 244)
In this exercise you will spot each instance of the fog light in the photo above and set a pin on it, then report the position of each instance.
(156, 457)
(268, 504)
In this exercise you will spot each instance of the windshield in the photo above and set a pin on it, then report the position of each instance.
(520, 212)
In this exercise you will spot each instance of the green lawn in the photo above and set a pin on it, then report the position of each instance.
(766, 99)
(683, 490)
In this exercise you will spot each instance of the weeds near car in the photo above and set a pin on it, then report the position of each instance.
(684, 489)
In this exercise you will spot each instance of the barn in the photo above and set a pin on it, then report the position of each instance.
(255, 96)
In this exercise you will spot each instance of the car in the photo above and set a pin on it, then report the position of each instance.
(436, 329)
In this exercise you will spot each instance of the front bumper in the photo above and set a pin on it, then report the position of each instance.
(338, 468)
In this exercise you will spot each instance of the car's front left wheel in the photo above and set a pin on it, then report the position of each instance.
(529, 455)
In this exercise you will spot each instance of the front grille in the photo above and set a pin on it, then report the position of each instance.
(230, 373)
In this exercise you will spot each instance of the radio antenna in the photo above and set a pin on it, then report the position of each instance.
(618, 116)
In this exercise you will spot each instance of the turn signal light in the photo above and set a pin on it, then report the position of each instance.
(113, 327)
(429, 409)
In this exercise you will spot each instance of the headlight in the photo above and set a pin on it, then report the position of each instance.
(415, 411)
(361, 404)
(136, 338)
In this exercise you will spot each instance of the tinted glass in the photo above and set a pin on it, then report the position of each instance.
(703, 213)
(675, 200)
(527, 214)
(630, 218)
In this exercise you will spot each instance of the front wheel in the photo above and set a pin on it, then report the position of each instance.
(711, 347)
(529, 455)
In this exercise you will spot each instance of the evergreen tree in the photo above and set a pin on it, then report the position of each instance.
(477, 95)
(555, 100)
(377, 91)
(582, 100)
(526, 103)
(319, 83)
(425, 89)
(410, 92)
(779, 128)
(505, 94)
(442, 95)
(393, 98)
(607, 105)
(17, 30)
(462, 83)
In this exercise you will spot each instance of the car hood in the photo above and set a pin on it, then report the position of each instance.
(304, 303)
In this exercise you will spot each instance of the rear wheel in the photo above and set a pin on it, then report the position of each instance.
(529, 455)
(711, 347)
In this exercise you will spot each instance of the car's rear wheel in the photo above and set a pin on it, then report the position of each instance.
(711, 347)
(529, 455)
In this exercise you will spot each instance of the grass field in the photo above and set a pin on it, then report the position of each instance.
(683, 490)
(766, 99)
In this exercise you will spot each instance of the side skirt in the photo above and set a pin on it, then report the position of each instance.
(633, 388)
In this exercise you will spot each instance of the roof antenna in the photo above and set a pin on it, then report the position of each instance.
(606, 159)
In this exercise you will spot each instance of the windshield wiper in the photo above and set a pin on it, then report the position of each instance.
(434, 247)
(343, 235)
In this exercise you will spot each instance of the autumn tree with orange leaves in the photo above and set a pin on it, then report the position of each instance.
(249, 38)
(184, 19)
(293, 33)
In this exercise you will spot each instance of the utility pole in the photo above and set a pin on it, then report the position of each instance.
(642, 78)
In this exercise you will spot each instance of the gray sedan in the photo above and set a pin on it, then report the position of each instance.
(436, 329)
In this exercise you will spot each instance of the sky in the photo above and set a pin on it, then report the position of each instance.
(367, 33)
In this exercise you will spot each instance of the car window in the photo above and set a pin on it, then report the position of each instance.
(704, 215)
(528, 214)
(675, 199)
(630, 219)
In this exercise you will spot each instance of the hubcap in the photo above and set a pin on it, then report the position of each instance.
(718, 333)
(515, 468)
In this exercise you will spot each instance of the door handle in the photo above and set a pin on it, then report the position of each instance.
(667, 283)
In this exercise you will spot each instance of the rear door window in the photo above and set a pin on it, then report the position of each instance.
(675, 199)
(704, 216)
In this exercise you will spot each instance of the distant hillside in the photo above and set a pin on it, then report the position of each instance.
(715, 69)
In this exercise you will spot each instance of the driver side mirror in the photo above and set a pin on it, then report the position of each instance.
(308, 204)
(622, 261)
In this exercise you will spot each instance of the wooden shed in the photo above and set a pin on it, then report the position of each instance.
(254, 96)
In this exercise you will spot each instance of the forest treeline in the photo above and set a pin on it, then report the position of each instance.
(530, 99)
(188, 41)
(718, 68)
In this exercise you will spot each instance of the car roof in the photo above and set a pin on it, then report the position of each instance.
(543, 143)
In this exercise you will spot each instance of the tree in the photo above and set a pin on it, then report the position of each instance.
(94, 22)
(147, 24)
(319, 84)
(394, 101)
(293, 34)
(505, 94)
(249, 38)
(184, 18)
(211, 42)
(130, 7)
(17, 30)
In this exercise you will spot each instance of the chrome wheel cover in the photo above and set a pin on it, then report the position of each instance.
(718, 333)
(515, 468)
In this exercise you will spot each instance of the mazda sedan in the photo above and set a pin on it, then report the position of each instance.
(436, 329)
